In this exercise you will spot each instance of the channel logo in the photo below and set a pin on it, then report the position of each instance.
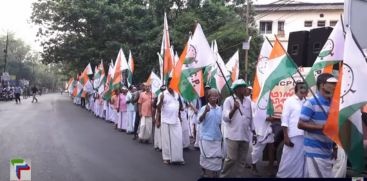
(20, 170)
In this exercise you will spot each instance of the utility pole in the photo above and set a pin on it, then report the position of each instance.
(246, 50)
(6, 51)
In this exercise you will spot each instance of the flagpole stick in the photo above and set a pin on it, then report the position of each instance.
(230, 91)
(304, 80)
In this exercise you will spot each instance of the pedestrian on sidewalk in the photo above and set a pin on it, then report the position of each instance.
(34, 93)
(211, 151)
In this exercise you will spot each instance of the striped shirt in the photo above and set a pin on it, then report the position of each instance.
(316, 144)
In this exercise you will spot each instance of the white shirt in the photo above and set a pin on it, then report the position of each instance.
(290, 116)
(130, 106)
(238, 128)
(170, 108)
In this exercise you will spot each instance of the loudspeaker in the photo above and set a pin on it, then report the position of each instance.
(316, 40)
(297, 46)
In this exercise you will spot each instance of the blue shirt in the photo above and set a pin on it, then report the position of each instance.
(210, 126)
(316, 143)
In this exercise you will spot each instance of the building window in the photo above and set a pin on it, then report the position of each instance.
(266, 27)
(281, 28)
(321, 15)
(321, 23)
(308, 23)
(333, 22)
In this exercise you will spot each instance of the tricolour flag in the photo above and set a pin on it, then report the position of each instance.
(262, 61)
(233, 66)
(130, 72)
(167, 54)
(70, 82)
(120, 65)
(108, 85)
(278, 67)
(331, 53)
(344, 124)
(155, 83)
(260, 114)
(187, 77)
(99, 76)
(213, 75)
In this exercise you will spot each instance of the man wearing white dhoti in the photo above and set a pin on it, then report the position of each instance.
(237, 117)
(115, 105)
(122, 110)
(185, 126)
(145, 112)
(211, 152)
(157, 128)
(292, 161)
(169, 120)
(319, 149)
(130, 110)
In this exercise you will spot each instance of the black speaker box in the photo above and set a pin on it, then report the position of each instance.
(297, 46)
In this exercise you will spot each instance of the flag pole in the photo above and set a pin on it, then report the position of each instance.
(303, 79)
(229, 88)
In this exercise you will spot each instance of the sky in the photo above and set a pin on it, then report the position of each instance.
(15, 17)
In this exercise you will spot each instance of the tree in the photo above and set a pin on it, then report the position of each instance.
(88, 30)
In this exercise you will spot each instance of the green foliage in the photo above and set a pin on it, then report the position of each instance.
(78, 32)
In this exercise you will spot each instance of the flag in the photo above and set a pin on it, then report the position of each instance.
(99, 76)
(160, 59)
(233, 66)
(331, 53)
(168, 57)
(176, 58)
(278, 67)
(214, 77)
(155, 83)
(260, 69)
(260, 114)
(84, 76)
(130, 72)
(70, 82)
(108, 85)
(120, 65)
(188, 76)
(344, 124)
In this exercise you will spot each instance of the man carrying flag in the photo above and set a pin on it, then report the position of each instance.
(319, 149)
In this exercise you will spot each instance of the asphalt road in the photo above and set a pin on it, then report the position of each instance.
(65, 142)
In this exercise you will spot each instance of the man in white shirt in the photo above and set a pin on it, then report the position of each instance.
(292, 161)
(171, 131)
(237, 117)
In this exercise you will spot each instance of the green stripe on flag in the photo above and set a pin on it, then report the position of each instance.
(351, 137)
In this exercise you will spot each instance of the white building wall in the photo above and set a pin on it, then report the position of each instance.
(294, 21)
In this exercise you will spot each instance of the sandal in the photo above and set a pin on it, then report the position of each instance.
(166, 162)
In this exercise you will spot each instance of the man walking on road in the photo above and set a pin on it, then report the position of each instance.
(34, 93)
(17, 93)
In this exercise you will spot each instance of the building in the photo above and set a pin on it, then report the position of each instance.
(284, 17)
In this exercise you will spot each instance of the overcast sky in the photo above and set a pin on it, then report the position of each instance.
(15, 15)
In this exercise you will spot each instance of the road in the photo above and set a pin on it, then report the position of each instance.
(65, 142)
